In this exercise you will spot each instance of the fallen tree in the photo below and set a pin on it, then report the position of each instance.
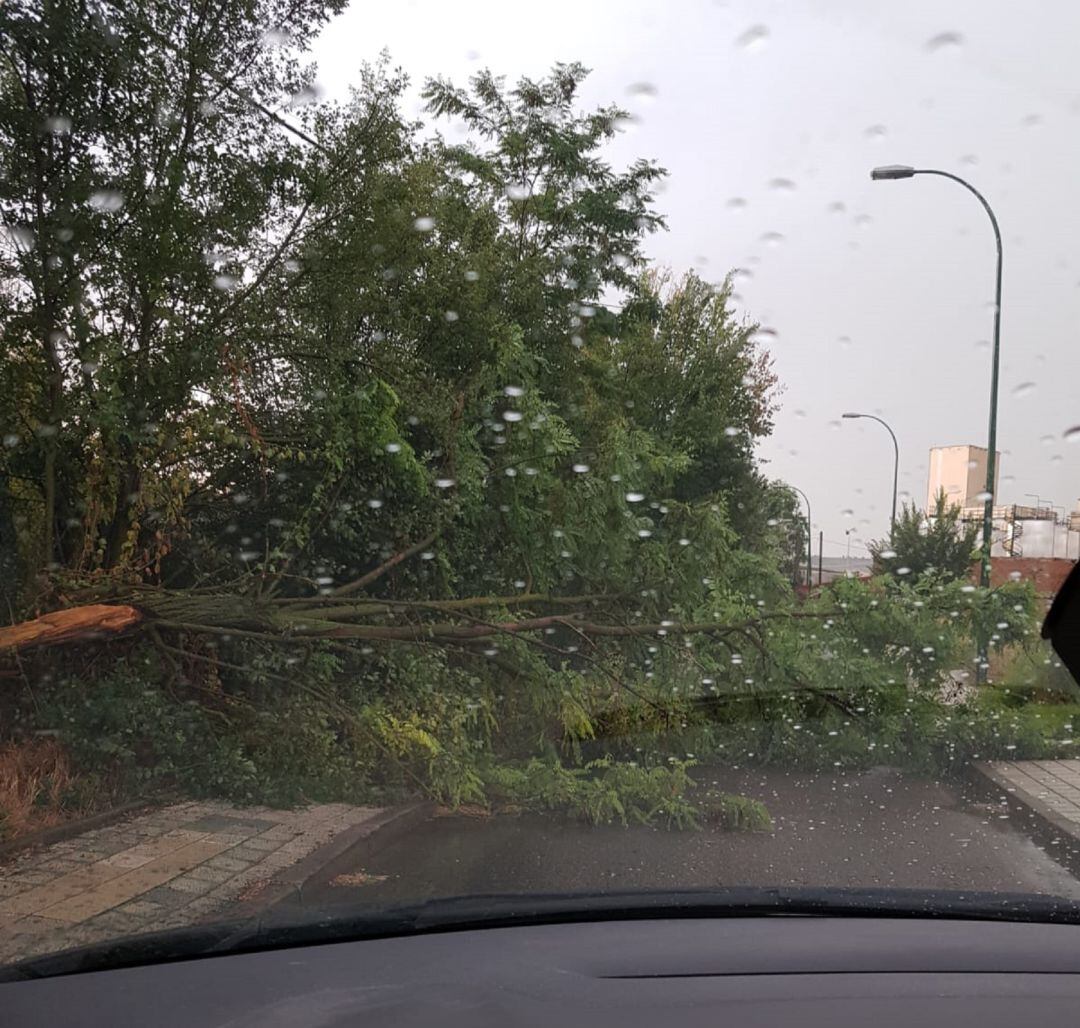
(76, 624)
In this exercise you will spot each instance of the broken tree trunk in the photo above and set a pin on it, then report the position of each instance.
(79, 624)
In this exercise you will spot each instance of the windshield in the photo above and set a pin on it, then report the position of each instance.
(448, 453)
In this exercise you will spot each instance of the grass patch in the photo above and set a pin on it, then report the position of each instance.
(39, 788)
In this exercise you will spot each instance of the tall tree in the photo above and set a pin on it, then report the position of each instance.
(921, 543)
(139, 155)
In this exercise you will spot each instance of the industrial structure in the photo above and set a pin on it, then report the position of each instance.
(1031, 531)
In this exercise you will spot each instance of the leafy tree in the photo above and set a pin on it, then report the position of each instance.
(571, 227)
(919, 544)
(135, 172)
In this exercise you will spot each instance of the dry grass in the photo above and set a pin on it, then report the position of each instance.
(35, 781)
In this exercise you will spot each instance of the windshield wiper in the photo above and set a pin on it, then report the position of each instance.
(502, 910)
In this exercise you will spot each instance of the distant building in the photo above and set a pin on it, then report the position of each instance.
(959, 472)
(1035, 532)
(832, 568)
(1018, 530)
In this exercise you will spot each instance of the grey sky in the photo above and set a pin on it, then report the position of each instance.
(883, 305)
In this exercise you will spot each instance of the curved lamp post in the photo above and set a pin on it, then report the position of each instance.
(896, 459)
(809, 539)
(893, 171)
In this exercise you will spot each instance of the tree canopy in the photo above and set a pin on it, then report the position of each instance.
(923, 543)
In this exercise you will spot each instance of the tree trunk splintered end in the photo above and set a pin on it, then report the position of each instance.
(64, 626)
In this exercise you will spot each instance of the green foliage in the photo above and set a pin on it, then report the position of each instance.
(342, 410)
(602, 791)
(938, 543)
(743, 814)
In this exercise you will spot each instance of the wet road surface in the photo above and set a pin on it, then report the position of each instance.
(872, 829)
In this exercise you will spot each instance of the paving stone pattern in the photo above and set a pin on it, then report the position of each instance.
(1052, 783)
(168, 868)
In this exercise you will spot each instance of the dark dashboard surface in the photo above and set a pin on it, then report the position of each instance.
(715, 971)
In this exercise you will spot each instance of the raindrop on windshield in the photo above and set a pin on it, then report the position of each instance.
(580, 469)
(903, 571)
(772, 238)
(108, 201)
(643, 89)
(424, 224)
(736, 203)
(304, 96)
(57, 125)
(635, 497)
(782, 185)
(731, 430)
(944, 41)
(393, 447)
(754, 39)
(512, 415)
(517, 191)
(444, 483)
(277, 37)
(982, 497)
(1024, 389)
(875, 132)
(225, 282)
(513, 391)
(1072, 435)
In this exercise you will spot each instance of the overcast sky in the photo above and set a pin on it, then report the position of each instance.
(768, 117)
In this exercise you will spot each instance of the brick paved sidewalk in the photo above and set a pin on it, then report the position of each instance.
(1049, 789)
(171, 867)
(1052, 784)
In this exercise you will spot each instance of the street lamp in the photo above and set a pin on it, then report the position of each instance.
(893, 171)
(896, 459)
(809, 540)
(1038, 500)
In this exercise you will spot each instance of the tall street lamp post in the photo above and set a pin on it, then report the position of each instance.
(896, 459)
(809, 540)
(894, 171)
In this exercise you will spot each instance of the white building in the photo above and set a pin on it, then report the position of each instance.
(1019, 531)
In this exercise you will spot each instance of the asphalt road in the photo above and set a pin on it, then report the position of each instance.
(878, 828)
